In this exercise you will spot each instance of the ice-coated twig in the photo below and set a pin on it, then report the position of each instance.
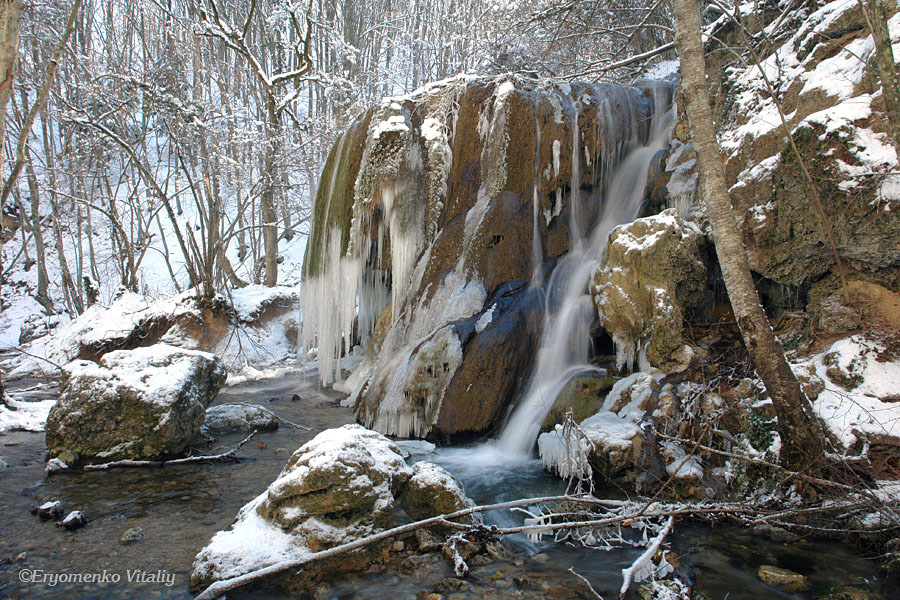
(586, 582)
(451, 551)
(644, 560)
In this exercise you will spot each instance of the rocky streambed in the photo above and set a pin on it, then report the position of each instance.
(147, 525)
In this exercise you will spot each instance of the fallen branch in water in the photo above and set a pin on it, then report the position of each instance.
(119, 464)
(224, 586)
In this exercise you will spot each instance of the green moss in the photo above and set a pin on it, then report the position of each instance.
(341, 168)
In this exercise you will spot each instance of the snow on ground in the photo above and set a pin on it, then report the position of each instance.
(254, 346)
(27, 416)
(251, 543)
(867, 403)
(94, 326)
(252, 343)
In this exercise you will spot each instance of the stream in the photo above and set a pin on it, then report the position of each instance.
(180, 508)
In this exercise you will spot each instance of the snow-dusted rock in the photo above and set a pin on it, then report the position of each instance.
(339, 486)
(612, 445)
(432, 491)
(239, 417)
(821, 74)
(611, 439)
(651, 271)
(74, 520)
(143, 403)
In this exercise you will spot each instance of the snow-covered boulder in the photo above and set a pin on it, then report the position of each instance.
(651, 271)
(432, 491)
(143, 403)
(338, 487)
(239, 417)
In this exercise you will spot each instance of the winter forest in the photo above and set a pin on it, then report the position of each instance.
(442, 299)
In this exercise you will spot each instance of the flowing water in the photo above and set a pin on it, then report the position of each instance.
(180, 508)
(564, 350)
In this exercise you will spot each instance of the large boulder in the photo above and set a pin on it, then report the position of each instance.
(652, 270)
(441, 205)
(136, 404)
(341, 486)
(338, 487)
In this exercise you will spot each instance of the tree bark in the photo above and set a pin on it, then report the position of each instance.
(267, 197)
(802, 438)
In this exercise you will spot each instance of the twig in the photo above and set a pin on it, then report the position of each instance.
(761, 462)
(451, 551)
(645, 558)
(586, 582)
(165, 463)
(20, 351)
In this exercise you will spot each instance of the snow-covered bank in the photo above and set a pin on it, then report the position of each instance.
(860, 400)
(255, 327)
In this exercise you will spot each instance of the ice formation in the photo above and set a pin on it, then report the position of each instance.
(402, 205)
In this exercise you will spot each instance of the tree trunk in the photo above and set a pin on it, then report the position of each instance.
(876, 17)
(802, 438)
(10, 11)
(267, 198)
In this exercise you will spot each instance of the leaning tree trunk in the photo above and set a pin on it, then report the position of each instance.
(10, 12)
(802, 438)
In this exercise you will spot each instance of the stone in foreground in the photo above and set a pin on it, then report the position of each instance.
(340, 486)
(145, 403)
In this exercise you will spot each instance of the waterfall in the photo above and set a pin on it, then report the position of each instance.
(564, 350)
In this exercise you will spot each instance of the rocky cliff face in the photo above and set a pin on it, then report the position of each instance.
(436, 211)
(819, 64)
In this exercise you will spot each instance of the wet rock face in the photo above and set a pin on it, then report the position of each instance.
(441, 205)
(652, 271)
(136, 404)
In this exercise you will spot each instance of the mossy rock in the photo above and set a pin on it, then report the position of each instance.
(583, 396)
